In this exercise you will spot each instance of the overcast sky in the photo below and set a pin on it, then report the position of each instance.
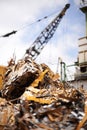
(16, 14)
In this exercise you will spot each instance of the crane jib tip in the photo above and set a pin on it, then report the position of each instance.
(67, 6)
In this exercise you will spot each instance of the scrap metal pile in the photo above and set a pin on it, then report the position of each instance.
(33, 98)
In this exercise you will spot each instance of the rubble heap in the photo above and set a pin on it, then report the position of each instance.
(33, 98)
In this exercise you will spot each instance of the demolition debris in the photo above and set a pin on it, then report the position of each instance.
(33, 98)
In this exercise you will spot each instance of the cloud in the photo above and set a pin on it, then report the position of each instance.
(15, 14)
(77, 2)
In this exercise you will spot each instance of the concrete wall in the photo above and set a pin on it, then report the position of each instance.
(82, 44)
(77, 84)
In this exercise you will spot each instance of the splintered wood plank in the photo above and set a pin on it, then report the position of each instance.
(84, 118)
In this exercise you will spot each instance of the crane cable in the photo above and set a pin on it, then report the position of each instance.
(39, 20)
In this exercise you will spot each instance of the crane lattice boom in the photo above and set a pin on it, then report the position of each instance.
(45, 35)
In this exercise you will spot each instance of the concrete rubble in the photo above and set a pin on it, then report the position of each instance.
(33, 98)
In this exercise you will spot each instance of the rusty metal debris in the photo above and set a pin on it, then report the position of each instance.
(33, 98)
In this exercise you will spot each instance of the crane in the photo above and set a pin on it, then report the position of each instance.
(19, 76)
(37, 46)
